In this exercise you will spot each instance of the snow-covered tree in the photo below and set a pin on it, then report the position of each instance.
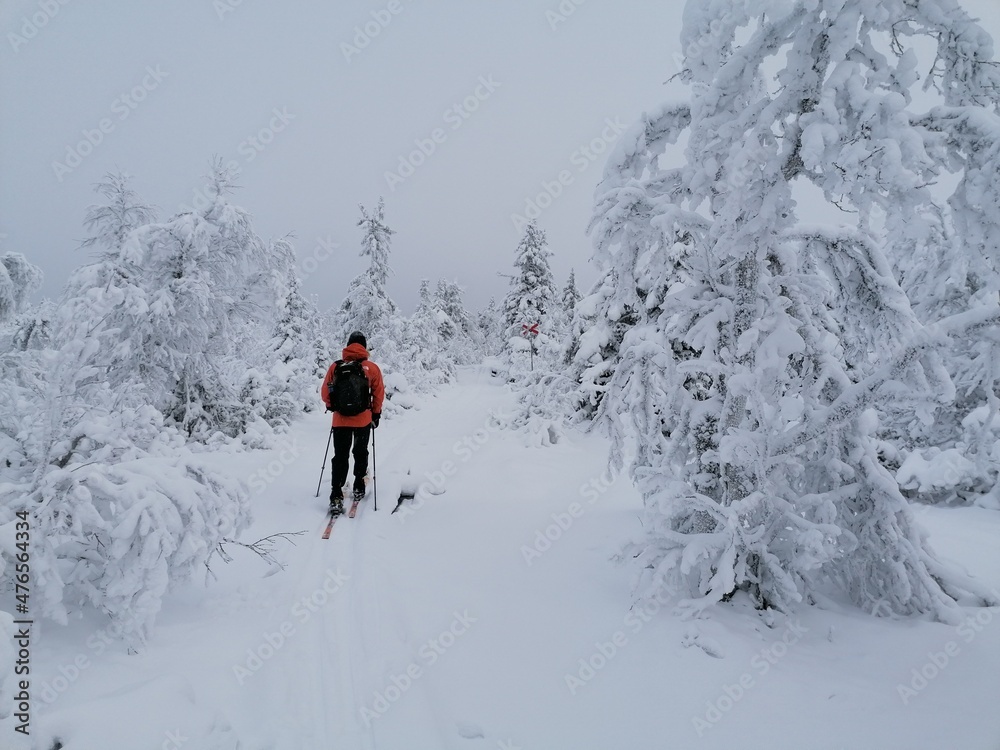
(532, 296)
(122, 212)
(456, 320)
(947, 257)
(424, 328)
(491, 328)
(19, 279)
(425, 343)
(459, 332)
(108, 299)
(200, 269)
(121, 508)
(280, 384)
(593, 342)
(764, 351)
(182, 306)
(568, 300)
(35, 328)
(367, 305)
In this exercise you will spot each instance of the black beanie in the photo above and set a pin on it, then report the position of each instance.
(357, 338)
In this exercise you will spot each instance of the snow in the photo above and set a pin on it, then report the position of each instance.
(489, 612)
(939, 469)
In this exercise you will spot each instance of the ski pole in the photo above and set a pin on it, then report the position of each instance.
(374, 472)
(323, 468)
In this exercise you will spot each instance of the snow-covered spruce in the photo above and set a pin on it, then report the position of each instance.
(424, 340)
(568, 299)
(759, 355)
(367, 307)
(459, 333)
(491, 328)
(182, 308)
(531, 300)
(283, 385)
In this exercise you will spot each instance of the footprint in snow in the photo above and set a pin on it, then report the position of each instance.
(693, 637)
(470, 731)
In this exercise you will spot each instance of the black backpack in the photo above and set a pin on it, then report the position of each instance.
(350, 392)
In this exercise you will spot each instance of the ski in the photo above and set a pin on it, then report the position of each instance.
(331, 520)
(354, 507)
(359, 498)
(329, 525)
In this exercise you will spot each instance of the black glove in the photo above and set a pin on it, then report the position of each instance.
(375, 418)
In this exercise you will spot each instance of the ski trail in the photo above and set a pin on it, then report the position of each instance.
(351, 640)
(349, 652)
(317, 668)
(297, 678)
(390, 633)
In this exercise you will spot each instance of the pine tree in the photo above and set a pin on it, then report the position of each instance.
(281, 383)
(425, 343)
(532, 299)
(491, 328)
(761, 353)
(424, 326)
(456, 321)
(459, 332)
(532, 296)
(107, 300)
(570, 297)
(367, 306)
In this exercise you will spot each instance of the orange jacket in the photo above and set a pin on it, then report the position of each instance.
(352, 352)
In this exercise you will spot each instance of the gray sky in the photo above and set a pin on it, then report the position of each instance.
(503, 96)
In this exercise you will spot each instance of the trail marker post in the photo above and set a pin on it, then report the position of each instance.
(529, 331)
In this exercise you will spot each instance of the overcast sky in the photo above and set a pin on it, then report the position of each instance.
(456, 111)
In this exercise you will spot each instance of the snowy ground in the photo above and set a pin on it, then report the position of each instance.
(456, 623)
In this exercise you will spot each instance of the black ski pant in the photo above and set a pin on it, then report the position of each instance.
(343, 437)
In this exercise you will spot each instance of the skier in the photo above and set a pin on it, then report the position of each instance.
(353, 391)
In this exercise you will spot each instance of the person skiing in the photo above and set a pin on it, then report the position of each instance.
(353, 390)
